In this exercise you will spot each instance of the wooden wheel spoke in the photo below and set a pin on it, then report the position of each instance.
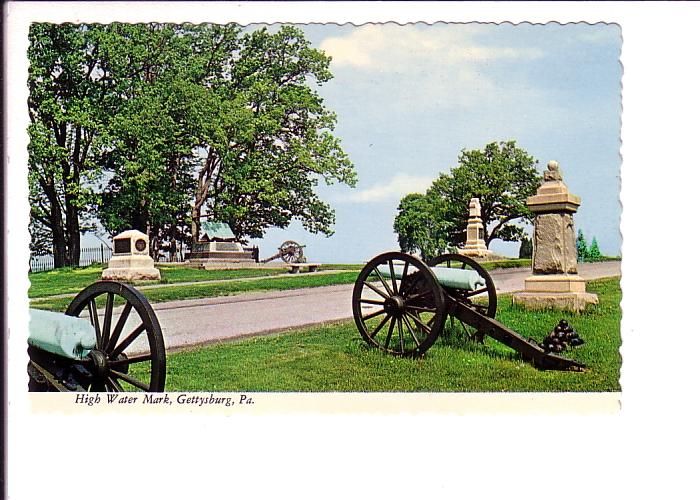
(130, 361)
(95, 320)
(420, 323)
(114, 385)
(127, 341)
(373, 314)
(420, 295)
(377, 290)
(405, 272)
(400, 329)
(410, 330)
(114, 337)
(108, 320)
(379, 327)
(129, 380)
(372, 301)
(388, 335)
(393, 277)
(471, 293)
(381, 278)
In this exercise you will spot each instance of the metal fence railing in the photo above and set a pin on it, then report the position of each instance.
(95, 255)
(88, 255)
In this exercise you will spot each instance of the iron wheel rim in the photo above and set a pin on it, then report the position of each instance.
(402, 314)
(109, 363)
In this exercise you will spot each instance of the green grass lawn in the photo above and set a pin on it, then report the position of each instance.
(334, 358)
(69, 280)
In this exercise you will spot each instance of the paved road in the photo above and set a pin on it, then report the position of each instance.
(199, 321)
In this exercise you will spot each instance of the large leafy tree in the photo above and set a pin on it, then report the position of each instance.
(184, 122)
(501, 175)
(276, 142)
(420, 226)
(69, 99)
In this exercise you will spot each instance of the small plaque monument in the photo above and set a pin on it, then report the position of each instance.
(475, 246)
(554, 282)
(130, 259)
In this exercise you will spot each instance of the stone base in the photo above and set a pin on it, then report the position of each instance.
(559, 291)
(221, 264)
(574, 302)
(474, 251)
(131, 268)
(131, 274)
(566, 283)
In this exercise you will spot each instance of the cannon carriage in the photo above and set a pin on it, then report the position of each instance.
(401, 305)
(290, 252)
(108, 340)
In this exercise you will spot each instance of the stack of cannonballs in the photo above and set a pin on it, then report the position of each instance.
(558, 338)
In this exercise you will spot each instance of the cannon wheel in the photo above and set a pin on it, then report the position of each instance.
(403, 313)
(109, 364)
(465, 297)
(291, 252)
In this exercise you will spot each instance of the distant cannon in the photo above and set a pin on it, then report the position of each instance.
(290, 252)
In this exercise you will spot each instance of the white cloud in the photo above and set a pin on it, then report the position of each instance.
(396, 188)
(393, 46)
(428, 66)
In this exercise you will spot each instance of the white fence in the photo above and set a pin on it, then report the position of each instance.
(88, 256)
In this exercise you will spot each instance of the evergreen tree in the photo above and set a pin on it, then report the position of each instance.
(525, 248)
(581, 247)
(594, 254)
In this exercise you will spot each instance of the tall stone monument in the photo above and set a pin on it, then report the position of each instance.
(475, 246)
(554, 282)
(130, 260)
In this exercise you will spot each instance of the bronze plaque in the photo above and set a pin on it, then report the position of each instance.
(122, 245)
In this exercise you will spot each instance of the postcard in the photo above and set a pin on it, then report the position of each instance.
(385, 226)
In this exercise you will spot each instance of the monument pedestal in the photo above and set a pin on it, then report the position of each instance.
(474, 250)
(131, 268)
(130, 260)
(555, 291)
(555, 283)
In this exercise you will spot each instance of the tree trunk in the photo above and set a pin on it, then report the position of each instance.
(72, 233)
(59, 248)
(58, 237)
(196, 213)
(72, 184)
(203, 182)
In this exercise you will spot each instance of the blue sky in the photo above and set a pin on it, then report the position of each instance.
(410, 98)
